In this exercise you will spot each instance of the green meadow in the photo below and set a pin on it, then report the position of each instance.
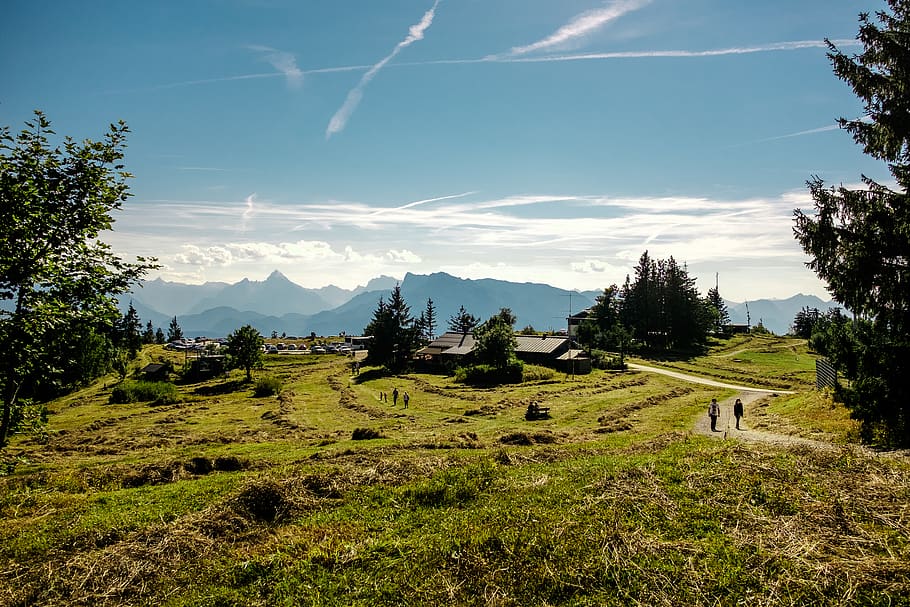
(327, 494)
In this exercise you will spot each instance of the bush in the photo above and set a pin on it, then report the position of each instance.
(267, 386)
(160, 392)
(606, 360)
(488, 375)
(537, 373)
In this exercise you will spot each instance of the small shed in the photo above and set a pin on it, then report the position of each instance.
(155, 372)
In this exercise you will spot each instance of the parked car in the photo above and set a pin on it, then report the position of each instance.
(318, 350)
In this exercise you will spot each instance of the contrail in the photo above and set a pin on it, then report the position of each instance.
(420, 202)
(415, 33)
(582, 25)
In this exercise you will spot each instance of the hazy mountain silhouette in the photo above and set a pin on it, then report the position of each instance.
(277, 304)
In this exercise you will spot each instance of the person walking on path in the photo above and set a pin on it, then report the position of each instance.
(738, 411)
(395, 397)
(713, 413)
(407, 399)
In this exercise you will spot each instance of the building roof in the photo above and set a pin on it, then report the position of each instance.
(462, 342)
(540, 344)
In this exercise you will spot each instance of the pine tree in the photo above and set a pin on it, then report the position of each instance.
(859, 240)
(148, 336)
(174, 332)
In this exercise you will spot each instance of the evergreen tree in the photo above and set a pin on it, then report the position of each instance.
(174, 332)
(159, 336)
(804, 322)
(395, 333)
(720, 315)
(859, 240)
(428, 321)
(148, 336)
(128, 334)
(462, 321)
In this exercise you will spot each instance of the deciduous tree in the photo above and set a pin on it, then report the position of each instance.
(244, 347)
(55, 204)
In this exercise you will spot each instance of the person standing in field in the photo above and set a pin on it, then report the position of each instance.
(395, 397)
(713, 413)
(738, 411)
(407, 399)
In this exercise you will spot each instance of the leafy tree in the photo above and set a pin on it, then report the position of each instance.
(462, 321)
(244, 347)
(174, 332)
(148, 336)
(858, 240)
(495, 342)
(528, 330)
(54, 205)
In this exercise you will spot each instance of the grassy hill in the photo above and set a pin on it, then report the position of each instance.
(327, 495)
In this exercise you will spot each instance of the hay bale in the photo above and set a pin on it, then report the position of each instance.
(263, 500)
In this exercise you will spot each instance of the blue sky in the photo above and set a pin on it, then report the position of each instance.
(525, 140)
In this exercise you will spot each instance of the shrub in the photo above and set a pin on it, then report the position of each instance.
(488, 375)
(267, 386)
(537, 373)
(160, 392)
(606, 360)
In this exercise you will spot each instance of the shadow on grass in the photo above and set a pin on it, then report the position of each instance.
(223, 388)
(370, 375)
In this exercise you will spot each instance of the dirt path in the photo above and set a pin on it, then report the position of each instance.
(726, 423)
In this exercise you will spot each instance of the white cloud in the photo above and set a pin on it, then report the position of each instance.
(572, 241)
(282, 61)
(415, 33)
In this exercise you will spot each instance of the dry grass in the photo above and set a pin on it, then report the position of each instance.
(226, 498)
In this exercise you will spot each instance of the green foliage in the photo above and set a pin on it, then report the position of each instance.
(244, 348)
(537, 373)
(607, 360)
(54, 269)
(494, 341)
(462, 321)
(662, 307)
(174, 332)
(268, 385)
(128, 334)
(162, 393)
(489, 375)
(859, 240)
(395, 334)
(717, 307)
(804, 322)
(148, 336)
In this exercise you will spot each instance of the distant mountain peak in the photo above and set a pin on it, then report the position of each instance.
(277, 276)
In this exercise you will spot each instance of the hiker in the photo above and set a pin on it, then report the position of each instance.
(713, 413)
(395, 397)
(738, 411)
(407, 399)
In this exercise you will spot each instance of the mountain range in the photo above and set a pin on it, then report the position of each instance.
(280, 305)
